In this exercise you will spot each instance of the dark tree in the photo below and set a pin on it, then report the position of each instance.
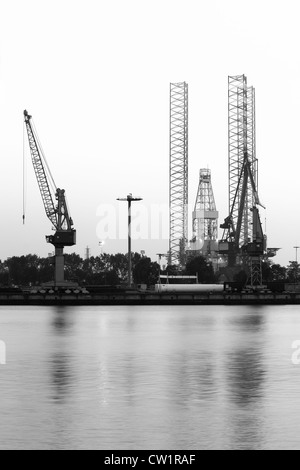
(293, 272)
(241, 277)
(145, 271)
(279, 273)
(23, 270)
(199, 266)
(46, 269)
(172, 270)
(73, 267)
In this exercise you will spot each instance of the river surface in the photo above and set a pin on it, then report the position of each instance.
(114, 378)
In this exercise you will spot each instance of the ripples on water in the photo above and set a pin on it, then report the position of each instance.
(209, 377)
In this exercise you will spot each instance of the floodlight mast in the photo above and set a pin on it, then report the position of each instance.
(129, 199)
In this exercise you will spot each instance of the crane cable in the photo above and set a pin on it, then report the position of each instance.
(24, 175)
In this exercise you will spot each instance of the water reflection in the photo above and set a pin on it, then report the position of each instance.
(246, 373)
(252, 320)
(156, 378)
(62, 319)
(193, 377)
(61, 376)
(62, 372)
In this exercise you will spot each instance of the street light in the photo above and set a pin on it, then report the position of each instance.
(296, 271)
(101, 243)
(129, 199)
(297, 248)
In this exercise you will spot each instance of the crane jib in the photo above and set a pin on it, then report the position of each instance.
(55, 204)
(57, 212)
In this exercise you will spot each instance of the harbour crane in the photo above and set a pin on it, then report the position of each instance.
(253, 250)
(243, 241)
(54, 201)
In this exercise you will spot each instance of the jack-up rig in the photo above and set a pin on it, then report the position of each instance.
(243, 242)
(58, 214)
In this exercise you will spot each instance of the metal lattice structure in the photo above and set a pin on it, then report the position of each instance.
(178, 172)
(243, 239)
(40, 171)
(251, 154)
(205, 216)
(255, 268)
(241, 149)
(58, 214)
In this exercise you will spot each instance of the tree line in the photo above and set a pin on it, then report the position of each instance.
(112, 269)
(105, 269)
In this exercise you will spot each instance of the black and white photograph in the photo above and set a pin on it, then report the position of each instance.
(150, 227)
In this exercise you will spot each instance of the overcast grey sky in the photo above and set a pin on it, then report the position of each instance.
(95, 76)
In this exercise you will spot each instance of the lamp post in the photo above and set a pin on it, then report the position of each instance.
(296, 271)
(101, 243)
(129, 199)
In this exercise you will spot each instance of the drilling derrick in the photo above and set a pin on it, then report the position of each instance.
(243, 240)
(178, 173)
(205, 217)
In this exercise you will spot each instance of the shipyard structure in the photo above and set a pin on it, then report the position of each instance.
(242, 245)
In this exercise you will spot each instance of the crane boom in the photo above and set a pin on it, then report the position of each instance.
(57, 213)
(40, 172)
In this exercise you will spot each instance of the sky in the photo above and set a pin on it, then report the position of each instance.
(95, 76)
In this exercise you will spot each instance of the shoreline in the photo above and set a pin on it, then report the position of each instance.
(148, 298)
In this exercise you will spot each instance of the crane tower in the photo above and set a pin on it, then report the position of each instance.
(178, 190)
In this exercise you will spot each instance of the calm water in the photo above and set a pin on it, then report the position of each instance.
(149, 378)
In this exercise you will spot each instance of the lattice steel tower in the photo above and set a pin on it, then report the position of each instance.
(243, 239)
(205, 217)
(178, 173)
(241, 143)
